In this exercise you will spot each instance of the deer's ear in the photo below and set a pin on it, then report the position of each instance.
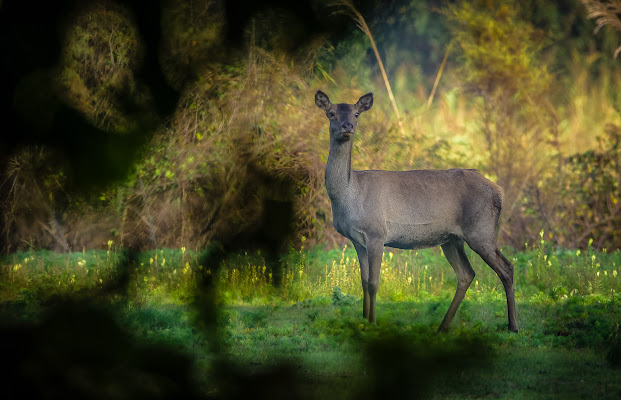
(322, 101)
(365, 102)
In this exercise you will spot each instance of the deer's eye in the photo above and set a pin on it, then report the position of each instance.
(331, 115)
(356, 115)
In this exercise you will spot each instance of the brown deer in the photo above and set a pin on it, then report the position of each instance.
(411, 210)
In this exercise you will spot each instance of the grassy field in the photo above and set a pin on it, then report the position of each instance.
(109, 324)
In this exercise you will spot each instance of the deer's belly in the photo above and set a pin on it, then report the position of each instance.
(412, 236)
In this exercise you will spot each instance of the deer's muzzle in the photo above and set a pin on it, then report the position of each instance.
(347, 127)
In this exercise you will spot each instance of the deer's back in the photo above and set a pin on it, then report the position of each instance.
(423, 208)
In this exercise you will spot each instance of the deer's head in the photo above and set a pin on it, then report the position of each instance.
(343, 117)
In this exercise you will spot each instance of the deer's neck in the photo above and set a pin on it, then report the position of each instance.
(338, 169)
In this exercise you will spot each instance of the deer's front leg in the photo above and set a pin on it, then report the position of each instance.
(375, 249)
(364, 276)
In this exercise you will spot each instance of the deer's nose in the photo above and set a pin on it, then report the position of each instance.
(347, 126)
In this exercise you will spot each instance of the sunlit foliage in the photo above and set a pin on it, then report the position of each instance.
(502, 67)
(525, 94)
(100, 52)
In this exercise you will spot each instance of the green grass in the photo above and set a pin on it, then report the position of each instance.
(553, 355)
(309, 333)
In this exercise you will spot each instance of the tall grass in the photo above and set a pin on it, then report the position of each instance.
(542, 273)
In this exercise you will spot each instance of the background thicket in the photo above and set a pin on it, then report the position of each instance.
(527, 94)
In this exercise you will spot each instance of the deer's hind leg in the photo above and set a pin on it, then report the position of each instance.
(455, 254)
(489, 252)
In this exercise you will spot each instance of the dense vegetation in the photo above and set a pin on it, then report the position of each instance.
(527, 95)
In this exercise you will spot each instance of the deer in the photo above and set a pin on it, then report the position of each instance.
(411, 210)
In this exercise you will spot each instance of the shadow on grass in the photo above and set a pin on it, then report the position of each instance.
(410, 365)
(78, 349)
